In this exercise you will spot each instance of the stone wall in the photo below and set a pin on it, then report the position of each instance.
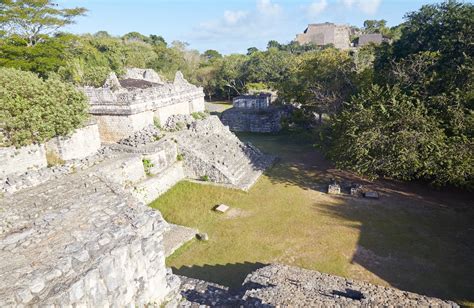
(256, 121)
(123, 110)
(82, 143)
(16, 161)
(163, 113)
(153, 187)
(325, 34)
(113, 128)
(81, 240)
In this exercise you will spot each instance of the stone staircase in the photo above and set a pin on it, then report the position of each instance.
(211, 150)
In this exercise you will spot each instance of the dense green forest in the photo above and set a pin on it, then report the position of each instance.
(402, 110)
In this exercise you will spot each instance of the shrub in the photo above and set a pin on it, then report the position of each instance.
(179, 157)
(147, 165)
(384, 132)
(156, 122)
(205, 178)
(33, 110)
(53, 159)
(199, 115)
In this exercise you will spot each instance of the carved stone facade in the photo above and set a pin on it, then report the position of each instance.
(125, 106)
(255, 121)
(325, 34)
(260, 101)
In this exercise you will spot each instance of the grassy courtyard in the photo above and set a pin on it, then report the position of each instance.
(413, 238)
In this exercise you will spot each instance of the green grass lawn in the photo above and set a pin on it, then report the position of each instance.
(412, 238)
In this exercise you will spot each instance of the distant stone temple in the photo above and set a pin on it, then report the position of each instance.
(325, 34)
(138, 99)
(371, 38)
(254, 113)
(259, 101)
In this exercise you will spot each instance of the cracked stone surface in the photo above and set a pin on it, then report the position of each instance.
(279, 285)
(80, 239)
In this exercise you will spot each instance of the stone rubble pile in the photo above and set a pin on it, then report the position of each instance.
(147, 135)
(281, 285)
(178, 122)
(286, 286)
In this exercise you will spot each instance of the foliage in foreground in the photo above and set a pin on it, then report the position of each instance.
(384, 132)
(34, 110)
(417, 120)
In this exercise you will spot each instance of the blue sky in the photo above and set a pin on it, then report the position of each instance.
(231, 26)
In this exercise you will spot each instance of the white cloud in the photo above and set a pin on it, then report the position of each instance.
(369, 7)
(268, 8)
(232, 17)
(266, 21)
(317, 7)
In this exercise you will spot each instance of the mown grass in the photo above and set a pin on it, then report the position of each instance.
(401, 240)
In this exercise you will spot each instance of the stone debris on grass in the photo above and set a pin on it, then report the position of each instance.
(334, 189)
(221, 208)
(356, 190)
(202, 237)
(371, 195)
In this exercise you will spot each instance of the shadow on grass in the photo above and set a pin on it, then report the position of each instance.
(228, 275)
(426, 250)
(415, 237)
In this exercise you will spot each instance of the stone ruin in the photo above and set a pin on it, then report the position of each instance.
(81, 233)
(324, 34)
(255, 113)
(212, 152)
(139, 99)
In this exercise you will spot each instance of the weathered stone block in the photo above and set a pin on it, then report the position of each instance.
(334, 189)
(221, 208)
(83, 142)
(371, 194)
(23, 159)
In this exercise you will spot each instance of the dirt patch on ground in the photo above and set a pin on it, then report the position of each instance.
(235, 213)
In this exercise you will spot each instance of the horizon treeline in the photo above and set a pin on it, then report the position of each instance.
(402, 109)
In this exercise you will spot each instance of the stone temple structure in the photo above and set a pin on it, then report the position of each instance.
(325, 34)
(371, 38)
(137, 100)
(255, 113)
(80, 234)
(260, 101)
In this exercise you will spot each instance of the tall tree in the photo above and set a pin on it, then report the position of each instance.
(324, 80)
(34, 19)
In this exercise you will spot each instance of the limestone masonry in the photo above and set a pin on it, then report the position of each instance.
(212, 152)
(81, 234)
(325, 34)
(254, 113)
(128, 105)
(80, 240)
(278, 285)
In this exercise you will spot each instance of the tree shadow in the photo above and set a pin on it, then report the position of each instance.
(413, 245)
(415, 237)
(220, 285)
(229, 275)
